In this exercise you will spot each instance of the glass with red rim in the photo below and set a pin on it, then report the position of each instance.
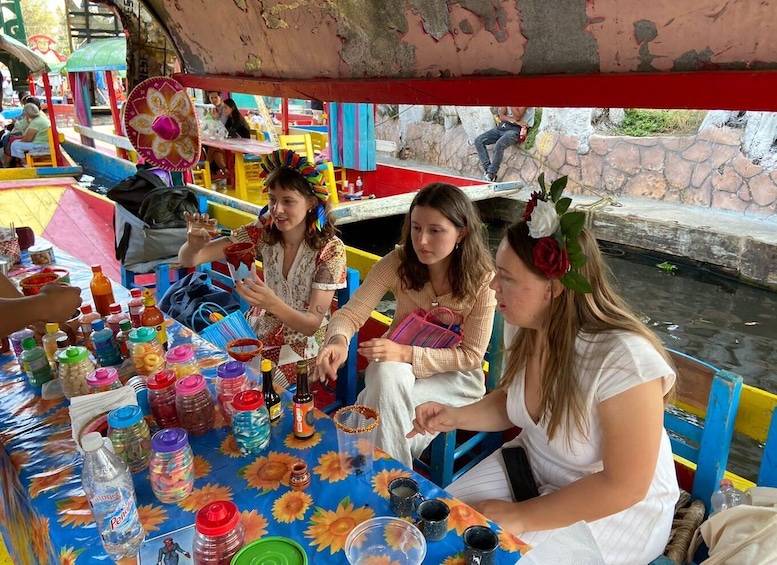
(244, 349)
(241, 260)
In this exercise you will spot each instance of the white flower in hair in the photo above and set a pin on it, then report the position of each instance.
(544, 220)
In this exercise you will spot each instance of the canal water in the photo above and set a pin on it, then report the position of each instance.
(718, 320)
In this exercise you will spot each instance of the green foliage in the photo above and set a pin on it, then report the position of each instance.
(575, 281)
(667, 267)
(532, 135)
(46, 18)
(645, 123)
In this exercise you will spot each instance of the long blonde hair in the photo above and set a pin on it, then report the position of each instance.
(561, 400)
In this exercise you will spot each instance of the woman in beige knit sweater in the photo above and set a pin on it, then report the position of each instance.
(442, 260)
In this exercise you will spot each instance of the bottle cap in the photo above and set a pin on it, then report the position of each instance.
(102, 376)
(231, 369)
(142, 335)
(266, 365)
(98, 325)
(52, 327)
(125, 325)
(21, 334)
(190, 385)
(124, 416)
(248, 400)
(148, 297)
(302, 366)
(180, 354)
(217, 518)
(62, 342)
(169, 439)
(86, 309)
(271, 549)
(92, 441)
(135, 292)
(28, 343)
(97, 269)
(723, 482)
(115, 308)
(160, 379)
(73, 354)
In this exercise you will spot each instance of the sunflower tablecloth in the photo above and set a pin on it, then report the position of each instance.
(45, 518)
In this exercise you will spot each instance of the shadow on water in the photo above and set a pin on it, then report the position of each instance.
(724, 322)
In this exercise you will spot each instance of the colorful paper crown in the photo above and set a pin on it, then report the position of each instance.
(557, 253)
(161, 124)
(291, 160)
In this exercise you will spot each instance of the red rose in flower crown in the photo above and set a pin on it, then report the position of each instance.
(557, 252)
(550, 258)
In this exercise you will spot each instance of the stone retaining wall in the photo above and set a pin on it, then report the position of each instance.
(707, 170)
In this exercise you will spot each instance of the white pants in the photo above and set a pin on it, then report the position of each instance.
(19, 148)
(394, 391)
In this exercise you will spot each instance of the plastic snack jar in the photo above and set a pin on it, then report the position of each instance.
(218, 534)
(251, 422)
(74, 365)
(146, 350)
(130, 437)
(161, 398)
(171, 469)
(194, 404)
(103, 379)
(231, 380)
(181, 360)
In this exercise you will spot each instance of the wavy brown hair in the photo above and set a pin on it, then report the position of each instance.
(561, 400)
(291, 179)
(471, 261)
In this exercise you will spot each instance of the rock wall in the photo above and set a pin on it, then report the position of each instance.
(707, 170)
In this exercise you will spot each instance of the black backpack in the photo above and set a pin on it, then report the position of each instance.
(164, 207)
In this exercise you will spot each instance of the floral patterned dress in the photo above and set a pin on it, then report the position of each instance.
(322, 269)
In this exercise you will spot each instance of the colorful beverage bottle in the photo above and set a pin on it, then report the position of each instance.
(102, 292)
(271, 398)
(304, 421)
(135, 307)
(152, 317)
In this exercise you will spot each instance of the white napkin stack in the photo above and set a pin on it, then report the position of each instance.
(84, 409)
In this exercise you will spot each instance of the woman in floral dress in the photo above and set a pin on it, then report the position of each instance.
(302, 259)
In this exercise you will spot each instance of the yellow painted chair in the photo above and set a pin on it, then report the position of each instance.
(318, 141)
(201, 174)
(328, 171)
(299, 143)
(39, 159)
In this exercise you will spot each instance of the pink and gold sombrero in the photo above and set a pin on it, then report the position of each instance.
(161, 124)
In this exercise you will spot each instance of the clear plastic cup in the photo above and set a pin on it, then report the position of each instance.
(356, 427)
(392, 540)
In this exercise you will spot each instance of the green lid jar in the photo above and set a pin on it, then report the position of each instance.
(271, 550)
(74, 366)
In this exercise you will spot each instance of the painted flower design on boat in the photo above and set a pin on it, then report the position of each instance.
(330, 528)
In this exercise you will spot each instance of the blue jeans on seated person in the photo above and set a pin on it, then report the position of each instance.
(501, 139)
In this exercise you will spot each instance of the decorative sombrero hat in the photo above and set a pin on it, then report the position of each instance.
(161, 124)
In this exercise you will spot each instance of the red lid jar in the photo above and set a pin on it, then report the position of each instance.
(161, 398)
(218, 534)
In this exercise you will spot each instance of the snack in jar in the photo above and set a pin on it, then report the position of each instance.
(130, 437)
(218, 533)
(74, 365)
(103, 379)
(171, 469)
(194, 404)
(181, 360)
(231, 380)
(161, 398)
(146, 350)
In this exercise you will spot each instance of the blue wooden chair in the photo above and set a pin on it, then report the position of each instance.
(451, 454)
(705, 443)
(767, 476)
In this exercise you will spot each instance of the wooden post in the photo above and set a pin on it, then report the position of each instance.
(117, 125)
(57, 156)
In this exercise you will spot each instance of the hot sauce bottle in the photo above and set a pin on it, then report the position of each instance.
(152, 317)
(304, 422)
(271, 398)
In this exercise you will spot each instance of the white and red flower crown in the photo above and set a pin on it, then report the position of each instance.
(557, 253)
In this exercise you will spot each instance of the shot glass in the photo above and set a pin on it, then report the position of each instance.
(480, 543)
(404, 496)
(433, 519)
(356, 427)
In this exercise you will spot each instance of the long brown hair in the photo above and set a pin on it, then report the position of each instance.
(290, 179)
(470, 262)
(561, 400)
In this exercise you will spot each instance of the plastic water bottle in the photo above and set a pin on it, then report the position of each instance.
(111, 494)
(728, 496)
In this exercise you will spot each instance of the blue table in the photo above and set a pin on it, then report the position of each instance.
(44, 516)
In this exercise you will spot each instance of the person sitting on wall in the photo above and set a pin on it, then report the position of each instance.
(236, 124)
(514, 124)
(217, 157)
(17, 127)
(35, 136)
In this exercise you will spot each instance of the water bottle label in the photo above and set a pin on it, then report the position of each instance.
(114, 513)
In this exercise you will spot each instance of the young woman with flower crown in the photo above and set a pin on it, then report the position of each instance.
(302, 259)
(442, 260)
(586, 381)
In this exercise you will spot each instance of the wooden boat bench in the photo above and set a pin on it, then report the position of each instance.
(41, 156)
